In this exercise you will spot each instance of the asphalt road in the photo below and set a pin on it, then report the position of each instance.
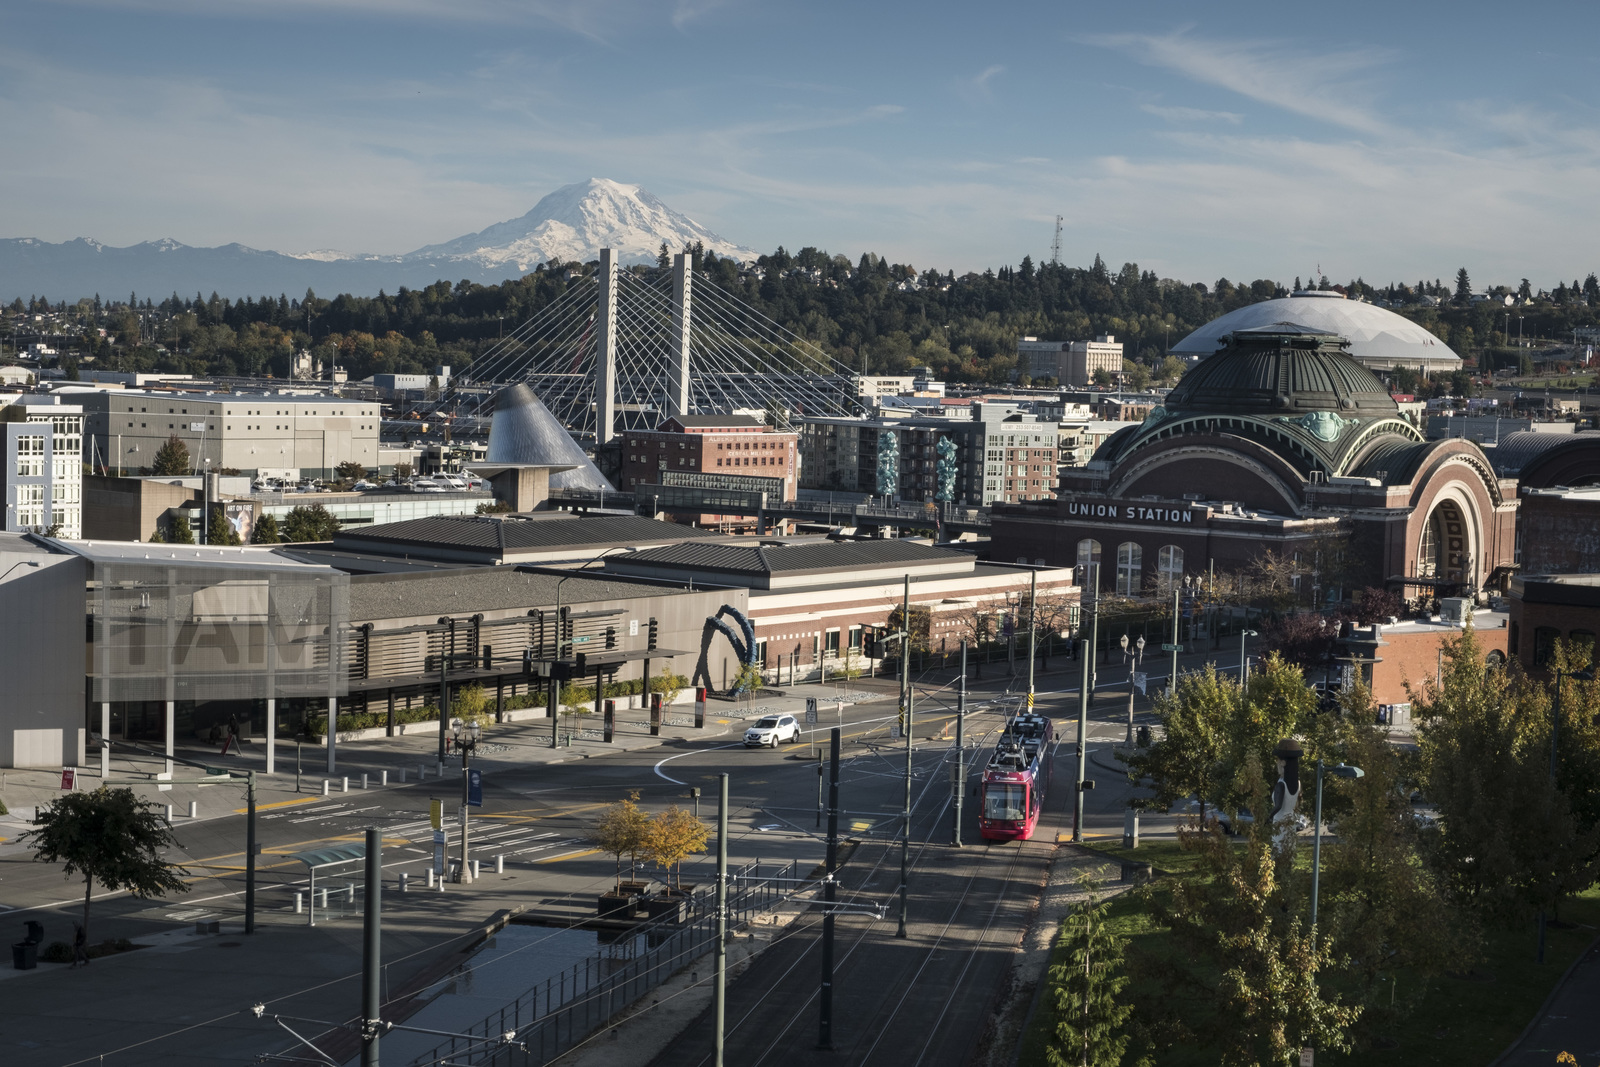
(965, 905)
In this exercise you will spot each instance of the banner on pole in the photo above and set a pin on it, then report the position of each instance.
(1140, 681)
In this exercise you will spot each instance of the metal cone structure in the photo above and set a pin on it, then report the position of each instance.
(522, 430)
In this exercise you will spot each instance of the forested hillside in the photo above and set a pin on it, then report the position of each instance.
(882, 317)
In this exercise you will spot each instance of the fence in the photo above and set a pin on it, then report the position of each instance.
(551, 1018)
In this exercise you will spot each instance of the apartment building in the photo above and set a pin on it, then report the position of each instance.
(43, 466)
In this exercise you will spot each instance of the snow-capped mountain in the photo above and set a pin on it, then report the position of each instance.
(572, 223)
(575, 222)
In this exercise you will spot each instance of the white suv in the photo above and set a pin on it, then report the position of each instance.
(771, 730)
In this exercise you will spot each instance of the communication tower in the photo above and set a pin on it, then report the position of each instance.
(1055, 246)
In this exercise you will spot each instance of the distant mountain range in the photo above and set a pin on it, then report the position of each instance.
(572, 223)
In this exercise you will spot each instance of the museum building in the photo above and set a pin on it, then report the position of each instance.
(1279, 441)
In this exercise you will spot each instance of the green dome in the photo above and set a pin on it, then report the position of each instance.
(1282, 369)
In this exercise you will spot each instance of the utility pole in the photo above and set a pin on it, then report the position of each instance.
(371, 951)
(961, 749)
(905, 718)
(829, 897)
(1083, 726)
(1033, 615)
(722, 905)
(1172, 684)
(249, 850)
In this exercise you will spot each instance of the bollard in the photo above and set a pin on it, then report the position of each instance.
(422, 772)
(440, 771)
(322, 899)
(325, 787)
(1130, 828)
(299, 901)
(350, 892)
(384, 777)
(346, 787)
(169, 814)
(474, 870)
(500, 864)
(194, 809)
(363, 779)
(404, 878)
(430, 877)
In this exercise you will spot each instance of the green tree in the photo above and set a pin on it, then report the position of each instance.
(1103, 378)
(171, 458)
(265, 531)
(1463, 286)
(109, 836)
(221, 531)
(1187, 760)
(1092, 1015)
(1507, 840)
(1381, 907)
(350, 471)
(1245, 981)
(179, 531)
(309, 522)
(622, 830)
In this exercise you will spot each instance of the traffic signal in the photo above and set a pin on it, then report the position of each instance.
(654, 631)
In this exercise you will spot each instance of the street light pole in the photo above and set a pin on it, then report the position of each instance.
(1083, 714)
(905, 718)
(1172, 683)
(1342, 770)
(1033, 601)
(1242, 635)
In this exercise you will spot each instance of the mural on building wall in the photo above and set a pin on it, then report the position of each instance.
(888, 464)
(946, 470)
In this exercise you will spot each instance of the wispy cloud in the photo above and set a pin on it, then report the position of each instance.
(1191, 114)
(1323, 86)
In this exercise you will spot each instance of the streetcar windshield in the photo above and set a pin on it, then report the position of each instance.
(1003, 802)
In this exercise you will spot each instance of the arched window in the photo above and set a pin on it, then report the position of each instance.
(1130, 565)
(1169, 568)
(1581, 644)
(1088, 573)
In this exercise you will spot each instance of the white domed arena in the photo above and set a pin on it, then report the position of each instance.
(1379, 339)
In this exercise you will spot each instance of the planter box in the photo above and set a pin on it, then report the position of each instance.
(618, 907)
(674, 909)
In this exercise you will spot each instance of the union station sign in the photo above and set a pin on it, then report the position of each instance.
(1153, 514)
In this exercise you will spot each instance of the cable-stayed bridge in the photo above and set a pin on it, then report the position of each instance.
(624, 350)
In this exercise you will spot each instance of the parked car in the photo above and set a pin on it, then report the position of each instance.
(364, 484)
(772, 730)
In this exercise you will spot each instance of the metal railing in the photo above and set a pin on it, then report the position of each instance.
(551, 1018)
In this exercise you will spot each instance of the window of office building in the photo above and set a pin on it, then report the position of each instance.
(1130, 565)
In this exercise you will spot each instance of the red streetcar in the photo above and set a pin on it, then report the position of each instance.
(1016, 779)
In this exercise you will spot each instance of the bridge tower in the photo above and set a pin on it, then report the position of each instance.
(605, 371)
(682, 319)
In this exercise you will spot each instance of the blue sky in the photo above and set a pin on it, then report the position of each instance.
(1390, 141)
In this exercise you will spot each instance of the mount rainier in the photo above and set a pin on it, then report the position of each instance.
(572, 223)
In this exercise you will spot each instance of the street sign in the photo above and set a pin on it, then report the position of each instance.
(436, 814)
(894, 730)
(69, 777)
(474, 787)
(438, 851)
(811, 711)
(1168, 647)
(1307, 1056)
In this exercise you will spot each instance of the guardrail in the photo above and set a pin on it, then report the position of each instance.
(549, 1019)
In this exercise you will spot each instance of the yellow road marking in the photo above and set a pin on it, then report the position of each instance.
(570, 856)
(279, 804)
(861, 826)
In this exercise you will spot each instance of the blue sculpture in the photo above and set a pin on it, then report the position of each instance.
(888, 464)
(744, 650)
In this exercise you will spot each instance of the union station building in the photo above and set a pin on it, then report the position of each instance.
(1279, 441)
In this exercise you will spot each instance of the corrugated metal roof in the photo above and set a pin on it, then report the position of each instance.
(503, 535)
(376, 597)
(727, 557)
(1516, 450)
